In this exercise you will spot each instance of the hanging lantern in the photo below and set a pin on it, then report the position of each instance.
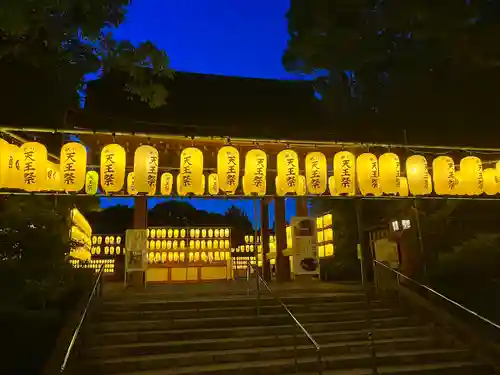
(15, 175)
(91, 182)
(146, 161)
(164, 245)
(390, 171)
(176, 233)
(213, 184)
(471, 168)
(190, 179)
(316, 173)
(255, 178)
(403, 187)
(443, 175)
(368, 174)
(417, 174)
(5, 154)
(113, 159)
(163, 256)
(288, 172)
(344, 170)
(73, 166)
(228, 169)
(53, 177)
(131, 189)
(34, 166)
(491, 181)
(331, 186)
(302, 186)
(166, 183)
(182, 244)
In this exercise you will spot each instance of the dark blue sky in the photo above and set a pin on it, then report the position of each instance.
(228, 37)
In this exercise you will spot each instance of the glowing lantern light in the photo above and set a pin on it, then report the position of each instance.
(203, 244)
(131, 189)
(228, 169)
(91, 182)
(443, 170)
(118, 250)
(368, 174)
(209, 244)
(190, 179)
(302, 186)
(146, 168)
(213, 184)
(417, 174)
(166, 183)
(164, 245)
(491, 181)
(183, 244)
(390, 172)
(288, 172)
(255, 178)
(11, 174)
(176, 233)
(226, 232)
(73, 166)
(157, 257)
(403, 187)
(331, 186)
(203, 233)
(113, 159)
(175, 244)
(196, 256)
(163, 256)
(182, 257)
(5, 155)
(459, 186)
(34, 166)
(169, 245)
(176, 257)
(216, 233)
(471, 169)
(316, 173)
(344, 171)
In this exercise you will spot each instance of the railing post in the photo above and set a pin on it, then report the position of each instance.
(258, 292)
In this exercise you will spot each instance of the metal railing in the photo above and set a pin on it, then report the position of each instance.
(467, 315)
(97, 289)
(297, 324)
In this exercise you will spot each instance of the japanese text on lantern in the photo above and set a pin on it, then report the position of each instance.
(480, 177)
(452, 182)
(374, 174)
(109, 169)
(29, 166)
(426, 178)
(258, 177)
(231, 169)
(152, 169)
(398, 173)
(291, 171)
(69, 166)
(345, 170)
(187, 179)
(315, 172)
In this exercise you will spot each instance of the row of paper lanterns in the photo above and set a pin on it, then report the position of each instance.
(191, 244)
(193, 233)
(26, 167)
(162, 257)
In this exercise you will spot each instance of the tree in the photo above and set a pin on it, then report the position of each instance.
(404, 61)
(48, 47)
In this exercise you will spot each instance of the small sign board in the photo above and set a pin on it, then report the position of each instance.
(305, 251)
(136, 250)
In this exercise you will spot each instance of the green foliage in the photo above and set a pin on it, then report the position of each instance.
(396, 56)
(56, 43)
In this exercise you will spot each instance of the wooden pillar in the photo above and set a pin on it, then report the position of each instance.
(282, 262)
(301, 206)
(264, 235)
(140, 222)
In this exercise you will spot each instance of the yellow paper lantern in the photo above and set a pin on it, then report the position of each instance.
(113, 159)
(175, 244)
(152, 233)
(209, 244)
(288, 172)
(403, 187)
(216, 233)
(226, 244)
(367, 171)
(176, 257)
(471, 169)
(79, 220)
(443, 175)
(157, 257)
(34, 166)
(203, 233)
(5, 155)
(417, 174)
(196, 256)
(228, 169)
(131, 189)
(14, 176)
(183, 244)
(164, 245)
(226, 232)
(166, 183)
(213, 184)
(158, 244)
(210, 233)
(146, 162)
(390, 172)
(301, 186)
(73, 166)
(316, 173)
(331, 186)
(118, 250)
(182, 257)
(169, 244)
(118, 240)
(176, 233)
(163, 256)
(216, 244)
(190, 179)
(344, 171)
(91, 182)
(197, 244)
(255, 178)
(111, 240)
(203, 244)
(491, 181)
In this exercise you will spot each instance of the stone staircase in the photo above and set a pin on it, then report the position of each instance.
(210, 335)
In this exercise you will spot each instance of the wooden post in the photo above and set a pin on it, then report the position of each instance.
(282, 261)
(140, 222)
(301, 206)
(264, 235)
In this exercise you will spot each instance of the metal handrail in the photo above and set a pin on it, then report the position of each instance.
(260, 279)
(399, 274)
(74, 338)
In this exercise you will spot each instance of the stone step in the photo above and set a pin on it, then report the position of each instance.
(201, 311)
(204, 350)
(264, 363)
(349, 327)
(238, 321)
(166, 303)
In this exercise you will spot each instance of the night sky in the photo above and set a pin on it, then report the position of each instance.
(228, 37)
